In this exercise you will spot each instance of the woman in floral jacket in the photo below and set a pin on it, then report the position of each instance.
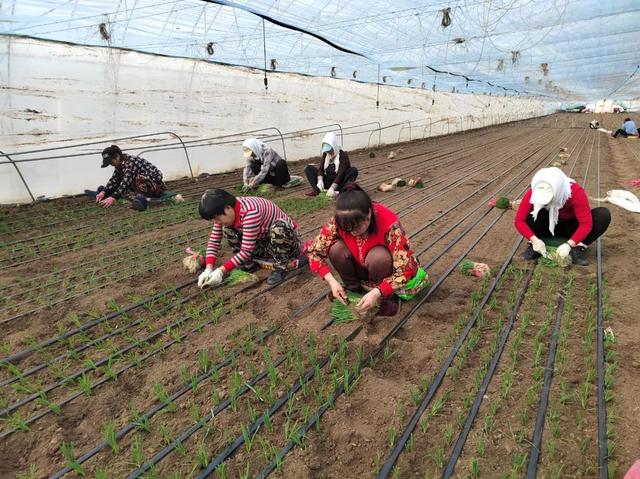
(367, 246)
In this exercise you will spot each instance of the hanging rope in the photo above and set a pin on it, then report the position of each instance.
(446, 17)
(433, 98)
(264, 45)
(378, 90)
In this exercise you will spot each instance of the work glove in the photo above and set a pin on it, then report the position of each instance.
(214, 279)
(538, 246)
(100, 197)
(563, 250)
(203, 276)
(108, 202)
(331, 192)
(320, 184)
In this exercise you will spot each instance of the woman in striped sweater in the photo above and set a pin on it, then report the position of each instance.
(255, 228)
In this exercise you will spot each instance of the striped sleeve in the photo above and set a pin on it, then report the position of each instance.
(213, 246)
(250, 233)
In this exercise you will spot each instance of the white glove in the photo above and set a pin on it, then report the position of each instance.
(563, 250)
(331, 192)
(538, 245)
(320, 184)
(203, 277)
(214, 279)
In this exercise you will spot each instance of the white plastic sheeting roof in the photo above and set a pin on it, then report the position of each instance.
(566, 49)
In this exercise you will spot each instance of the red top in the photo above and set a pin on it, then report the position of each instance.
(577, 206)
(254, 216)
(388, 233)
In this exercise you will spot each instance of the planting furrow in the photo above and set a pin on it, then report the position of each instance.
(57, 278)
(154, 263)
(211, 372)
(320, 412)
(370, 360)
(249, 430)
(380, 177)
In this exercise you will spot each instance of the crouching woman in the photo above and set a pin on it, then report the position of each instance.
(257, 230)
(368, 247)
(557, 206)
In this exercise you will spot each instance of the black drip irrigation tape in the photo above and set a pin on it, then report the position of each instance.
(603, 450)
(369, 360)
(115, 332)
(99, 217)
(112, 261)
(42, 344)
(432, 195)
(143, 358)
(535, 449)
(251, 430)
(475, 407)
(536, 441)
(177, 394)
(455, 153)
(158, 262)
(387, 467)
(120, 353)
(72, 332)
(475, 169)
(53, 386)
(340, 390)
(113, 233)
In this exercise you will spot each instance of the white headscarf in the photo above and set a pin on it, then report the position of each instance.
(254, 145)
(561, 186)
(332, 139)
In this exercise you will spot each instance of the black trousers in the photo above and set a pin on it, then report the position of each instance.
(312, 176)
(277, 176)
(620, 131)
(565, 229)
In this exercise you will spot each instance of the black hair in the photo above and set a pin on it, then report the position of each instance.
(627, 119)
(214, 202)
(352, 208)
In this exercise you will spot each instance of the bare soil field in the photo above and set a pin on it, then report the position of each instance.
(114, 363)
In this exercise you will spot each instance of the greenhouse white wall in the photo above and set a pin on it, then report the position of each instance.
(58, 95)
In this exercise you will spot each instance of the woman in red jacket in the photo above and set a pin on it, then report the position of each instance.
(367, 246)
(556, 205)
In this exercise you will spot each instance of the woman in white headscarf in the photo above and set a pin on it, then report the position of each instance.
(556, 205)
(334, 170)
(264, 165)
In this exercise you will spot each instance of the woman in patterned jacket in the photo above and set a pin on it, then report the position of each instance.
(367, 246)
(134, 178)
